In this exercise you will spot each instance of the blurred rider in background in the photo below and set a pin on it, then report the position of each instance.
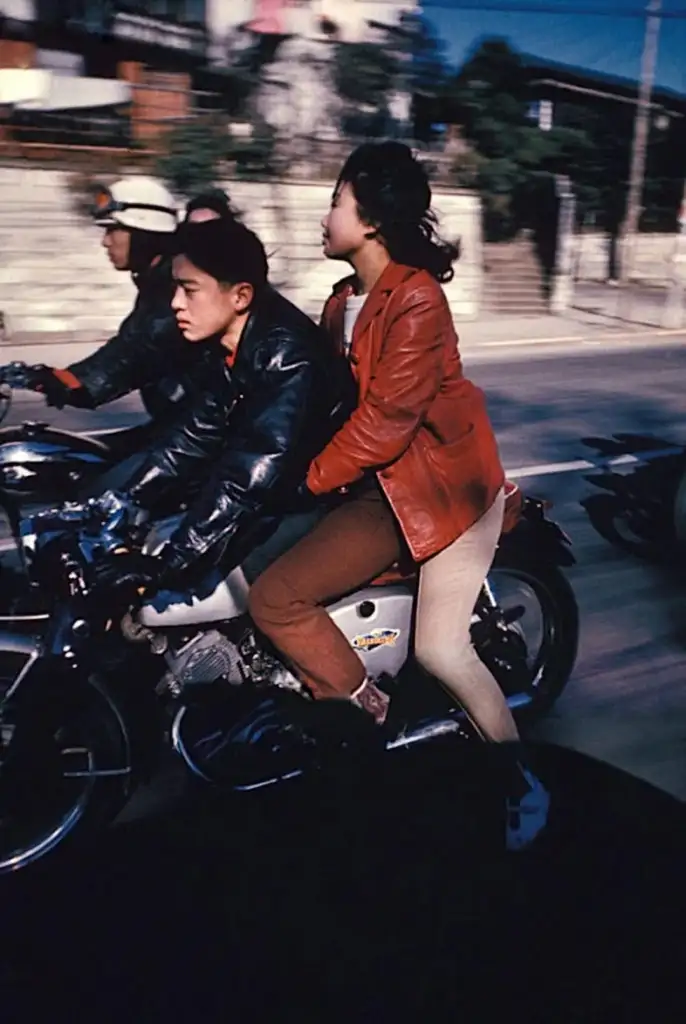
(148, 354)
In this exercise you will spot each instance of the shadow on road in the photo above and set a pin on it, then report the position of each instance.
(634, 508)
(397, 902)
(553, 426)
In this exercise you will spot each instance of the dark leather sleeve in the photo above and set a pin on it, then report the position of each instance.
(267, 449)
(147, 344)
(192, 442)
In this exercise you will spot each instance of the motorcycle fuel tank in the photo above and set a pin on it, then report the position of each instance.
(219, 600)
(39, 460)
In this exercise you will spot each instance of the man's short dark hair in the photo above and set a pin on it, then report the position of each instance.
(211, 199)
(226, 250)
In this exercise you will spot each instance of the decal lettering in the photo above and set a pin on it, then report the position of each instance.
(376, 638)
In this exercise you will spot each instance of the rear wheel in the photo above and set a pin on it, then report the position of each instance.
(65, 770)
(534, 654)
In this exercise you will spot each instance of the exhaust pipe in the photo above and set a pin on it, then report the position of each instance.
(446, 726)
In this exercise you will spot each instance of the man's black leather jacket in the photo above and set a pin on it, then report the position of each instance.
(148, 353)
(251, 437)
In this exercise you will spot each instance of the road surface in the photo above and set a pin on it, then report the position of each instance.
(626, 703)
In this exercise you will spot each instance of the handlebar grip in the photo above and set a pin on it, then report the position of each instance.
(15, 374)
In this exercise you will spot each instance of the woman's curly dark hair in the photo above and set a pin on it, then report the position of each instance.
(393, 196)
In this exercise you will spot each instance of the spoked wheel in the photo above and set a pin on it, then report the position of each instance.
(64, 770)
(533, 652)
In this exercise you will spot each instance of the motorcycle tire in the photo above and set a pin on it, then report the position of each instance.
(560, 613)
(72, 749)
(679, 516)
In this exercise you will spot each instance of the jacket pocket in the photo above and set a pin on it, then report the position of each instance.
(445, 454)
(460, 474)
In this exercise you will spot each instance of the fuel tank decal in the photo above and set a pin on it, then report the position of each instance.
(375, 638)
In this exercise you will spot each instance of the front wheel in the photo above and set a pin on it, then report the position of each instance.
(65, 770)
(538, 658)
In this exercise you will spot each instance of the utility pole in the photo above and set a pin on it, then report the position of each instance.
(673, 315)
(641, 136)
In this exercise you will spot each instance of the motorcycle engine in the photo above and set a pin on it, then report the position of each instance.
(205, 658)
(209, 657)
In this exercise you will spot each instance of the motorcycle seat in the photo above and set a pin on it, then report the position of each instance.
(405, 571)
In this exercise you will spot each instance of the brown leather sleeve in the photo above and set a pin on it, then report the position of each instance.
(405, 382)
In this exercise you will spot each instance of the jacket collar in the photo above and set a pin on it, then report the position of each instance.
(394, 275)
(157, 276)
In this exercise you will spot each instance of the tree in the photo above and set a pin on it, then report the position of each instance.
(193, 154)
(515, 161)
(363, 73)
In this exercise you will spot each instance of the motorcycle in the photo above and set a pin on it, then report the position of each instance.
(90, 684)
(41, 464)
(643, 511)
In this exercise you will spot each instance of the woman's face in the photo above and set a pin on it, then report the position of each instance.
(343, 232)
(204, 307)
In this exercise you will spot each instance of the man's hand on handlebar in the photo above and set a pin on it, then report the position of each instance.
(127, 570)
(59, 387)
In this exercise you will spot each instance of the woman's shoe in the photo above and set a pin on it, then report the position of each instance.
(372, 700)
(527, 815)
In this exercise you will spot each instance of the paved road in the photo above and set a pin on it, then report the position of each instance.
(627, 701)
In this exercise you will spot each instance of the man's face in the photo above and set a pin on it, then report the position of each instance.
(204, 307)
(117, 243)
(201, 215)
(344, 233)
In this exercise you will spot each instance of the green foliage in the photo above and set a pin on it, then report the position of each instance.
(514, 161)
(257, 155)
(193, 154)
(364, 73)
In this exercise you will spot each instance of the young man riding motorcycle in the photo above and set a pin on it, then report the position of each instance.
(148, 354)
(273, 391)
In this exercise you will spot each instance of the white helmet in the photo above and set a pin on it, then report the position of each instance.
(139, 202)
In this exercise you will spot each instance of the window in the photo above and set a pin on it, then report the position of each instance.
(183, 12)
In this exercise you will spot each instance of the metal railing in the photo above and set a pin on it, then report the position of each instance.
(138, 132)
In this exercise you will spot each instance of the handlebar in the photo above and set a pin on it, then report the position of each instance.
(13, 376)
(80, 533)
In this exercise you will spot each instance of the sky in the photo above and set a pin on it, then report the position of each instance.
(603, 42)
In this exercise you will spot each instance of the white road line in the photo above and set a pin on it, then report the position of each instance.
(589, 339)
(515, 473)
(551, 468)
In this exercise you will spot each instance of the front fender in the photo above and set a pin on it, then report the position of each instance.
(130, 690)
(538, 537)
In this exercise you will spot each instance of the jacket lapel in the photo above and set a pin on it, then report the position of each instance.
(336, 317)
(393, 275)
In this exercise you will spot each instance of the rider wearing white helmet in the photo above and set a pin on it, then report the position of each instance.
(139, 217)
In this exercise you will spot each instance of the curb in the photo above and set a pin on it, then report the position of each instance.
(655, 332)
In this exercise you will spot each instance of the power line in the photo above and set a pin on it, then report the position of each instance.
(548, 8)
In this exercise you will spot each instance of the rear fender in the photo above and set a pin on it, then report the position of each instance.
(540, 538)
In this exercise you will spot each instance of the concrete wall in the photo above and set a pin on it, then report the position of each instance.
(653, 260)
(55, 277)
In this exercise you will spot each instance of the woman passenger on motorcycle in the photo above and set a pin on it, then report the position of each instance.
(420, 461)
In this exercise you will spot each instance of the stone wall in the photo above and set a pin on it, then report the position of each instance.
(55, 277)
(653, 259)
